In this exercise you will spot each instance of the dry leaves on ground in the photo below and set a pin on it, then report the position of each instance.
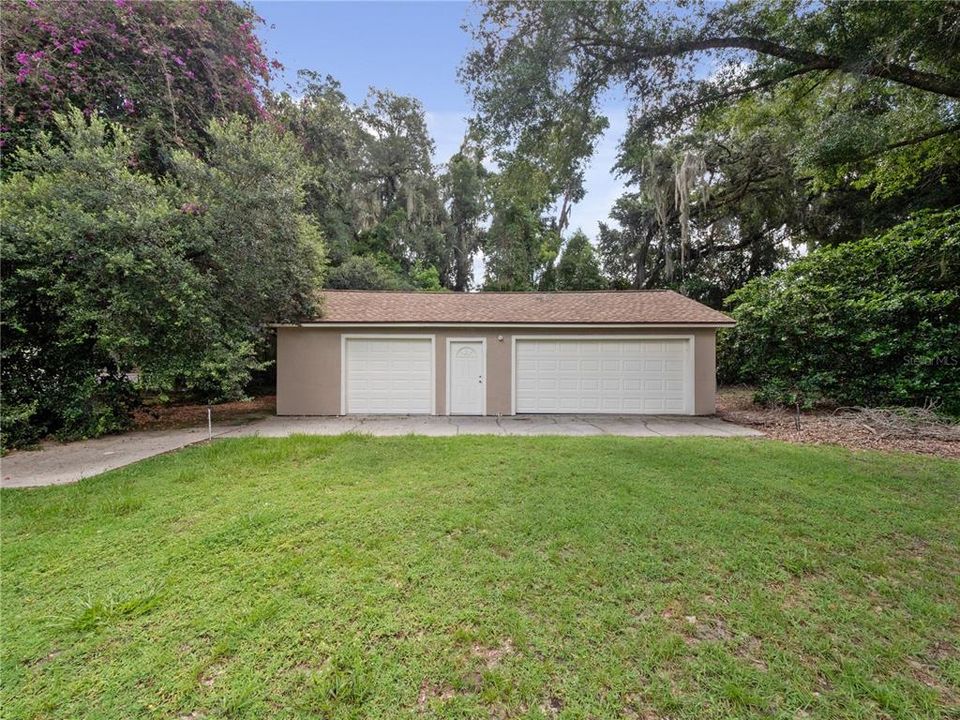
(175, 416)
(915, 430)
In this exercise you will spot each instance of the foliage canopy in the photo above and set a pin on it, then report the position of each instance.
(114, 282)
(871, 322)
(165, 68)
(753, 127)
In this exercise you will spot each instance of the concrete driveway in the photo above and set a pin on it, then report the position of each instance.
(58, 463)
(629, 425)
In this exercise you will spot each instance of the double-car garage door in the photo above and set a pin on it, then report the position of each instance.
(603, 376)
(550, 375)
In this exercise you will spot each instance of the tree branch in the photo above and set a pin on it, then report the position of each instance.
(809, 60)
(746, 90)
(916, 140)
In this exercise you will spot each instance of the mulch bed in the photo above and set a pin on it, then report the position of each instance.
(167, 417)
(913, 430)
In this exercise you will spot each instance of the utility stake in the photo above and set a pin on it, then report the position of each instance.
(209, 423)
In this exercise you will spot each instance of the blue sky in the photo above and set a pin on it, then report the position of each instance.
(411, 48)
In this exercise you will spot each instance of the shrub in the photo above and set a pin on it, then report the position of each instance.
(113, 282)
(871, 322)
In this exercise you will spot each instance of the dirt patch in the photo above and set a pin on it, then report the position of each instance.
(674, 609)
(492, 656)
(857, 429)
(706, 629)
(52, 655)
(472, 682)
(751, 650)
(552, 706)
(209, 678)
(942, 650)
(168, 417)
(429, 691)
(635, 711)
(925, 674)
(310, 668)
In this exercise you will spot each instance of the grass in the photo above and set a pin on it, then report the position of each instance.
(354, 577)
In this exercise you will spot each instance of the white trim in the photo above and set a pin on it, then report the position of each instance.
(513, 374)
(387, 336)
(483, 364)
(691, 394)
(692, 375)
(507, 325)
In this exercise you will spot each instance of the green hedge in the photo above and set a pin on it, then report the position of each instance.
(872, 322)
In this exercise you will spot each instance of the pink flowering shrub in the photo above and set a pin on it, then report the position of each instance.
(181, 63)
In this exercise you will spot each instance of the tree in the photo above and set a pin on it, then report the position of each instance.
(165, 68)
(332, 138)
(93, 283)
(705, 221)
(817, 123)
(397, 157)
(564, 55)
(254, 240)
(109, 275)
(371, 186)
(523, 240)
(465, 197)
(401, 195)
(577, 268)
(365, 273)
(624, 251)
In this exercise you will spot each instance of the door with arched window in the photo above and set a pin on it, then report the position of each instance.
(467, 377)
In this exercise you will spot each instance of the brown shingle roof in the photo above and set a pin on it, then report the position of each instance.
(658, 307)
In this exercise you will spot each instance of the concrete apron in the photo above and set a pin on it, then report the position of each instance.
(385, 425)
(59, 463)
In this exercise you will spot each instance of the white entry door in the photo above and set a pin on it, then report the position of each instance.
(585, 375)
(467, 377)
(388, 375)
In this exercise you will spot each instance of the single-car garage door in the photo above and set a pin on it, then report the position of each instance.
(388, 376)
(603, 376)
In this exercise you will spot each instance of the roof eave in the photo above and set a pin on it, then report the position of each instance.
(460, 323)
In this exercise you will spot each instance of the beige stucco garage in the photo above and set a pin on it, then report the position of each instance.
(643, 352)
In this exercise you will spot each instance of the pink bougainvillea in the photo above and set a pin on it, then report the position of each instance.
(181, 62)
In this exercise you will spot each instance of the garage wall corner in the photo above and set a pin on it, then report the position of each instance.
(705, 372)
(308, 371)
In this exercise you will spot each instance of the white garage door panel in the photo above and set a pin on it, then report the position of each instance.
(388, 376)
(603, 376)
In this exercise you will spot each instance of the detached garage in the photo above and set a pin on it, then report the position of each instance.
(400, 353)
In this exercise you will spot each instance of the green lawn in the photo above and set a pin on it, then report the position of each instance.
(487, 577)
